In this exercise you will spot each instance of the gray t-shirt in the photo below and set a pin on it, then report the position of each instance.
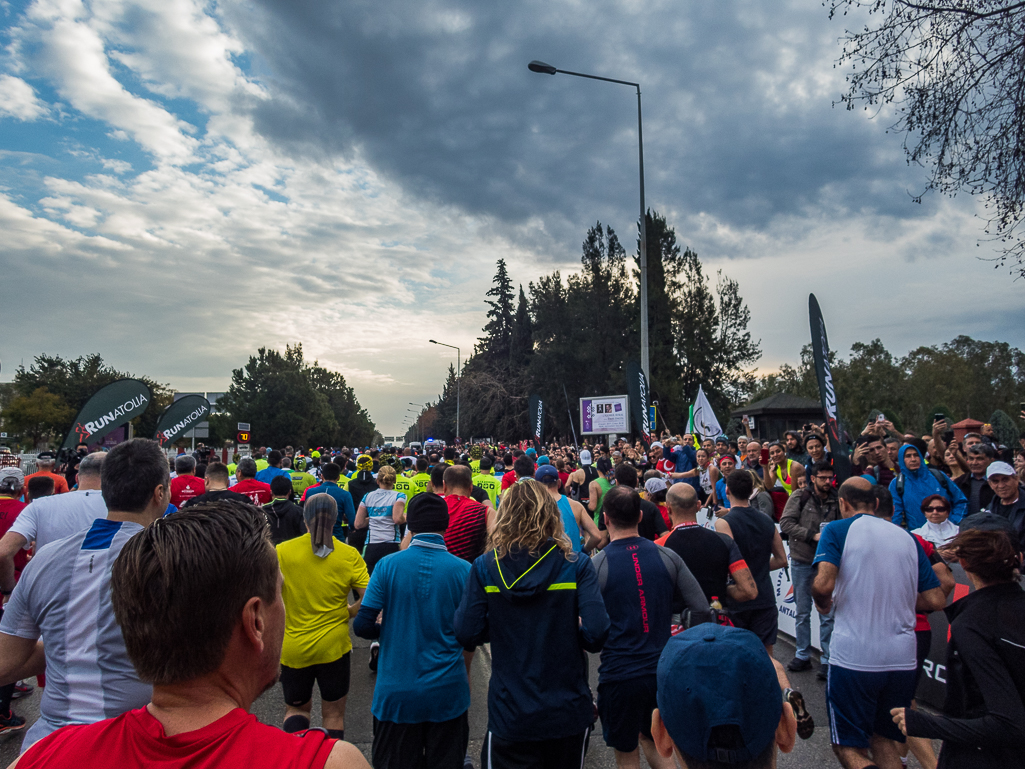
(64, 597)
(48, 519)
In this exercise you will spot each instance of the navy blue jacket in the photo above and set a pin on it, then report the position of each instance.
(541, 613)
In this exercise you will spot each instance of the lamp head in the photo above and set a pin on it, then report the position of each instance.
(541, 68)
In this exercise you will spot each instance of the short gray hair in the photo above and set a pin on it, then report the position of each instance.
(246, 468)
(92, 464)
(184, 464)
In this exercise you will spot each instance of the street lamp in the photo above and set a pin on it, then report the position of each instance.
(458, 377)
(547, 69)
(419, 418)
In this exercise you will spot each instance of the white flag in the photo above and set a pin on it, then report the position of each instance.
(705, 423)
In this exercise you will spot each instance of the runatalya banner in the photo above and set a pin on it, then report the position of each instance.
(834, 428)
(181, 417)
(116, 404)
(536, 415)
(637, 389)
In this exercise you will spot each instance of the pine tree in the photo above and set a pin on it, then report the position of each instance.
(522, 335)
(496, 343)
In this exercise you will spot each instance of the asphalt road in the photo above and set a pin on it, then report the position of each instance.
(808, 754)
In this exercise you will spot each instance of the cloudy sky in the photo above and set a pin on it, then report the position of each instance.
(182, 182)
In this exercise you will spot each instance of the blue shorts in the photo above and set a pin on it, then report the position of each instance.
(860, 702)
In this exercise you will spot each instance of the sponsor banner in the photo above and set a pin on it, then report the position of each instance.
(834, 429)
(180, 417)
(604, 415)
(536, 415)
(637, 388)
(113, 406)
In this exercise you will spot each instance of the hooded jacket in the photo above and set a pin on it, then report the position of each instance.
(541, 613)
(285, 519)
(917, 485)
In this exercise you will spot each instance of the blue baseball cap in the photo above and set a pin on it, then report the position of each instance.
(530, 453)
(545, 472)
(710, 676)
(544, 460)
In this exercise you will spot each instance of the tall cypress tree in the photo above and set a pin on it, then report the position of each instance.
(496, 344)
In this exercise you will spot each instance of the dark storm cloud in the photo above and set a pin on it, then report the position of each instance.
(738, 115)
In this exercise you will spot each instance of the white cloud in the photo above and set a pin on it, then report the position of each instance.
(18, 100)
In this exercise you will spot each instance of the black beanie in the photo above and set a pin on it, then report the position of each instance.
(427, 513)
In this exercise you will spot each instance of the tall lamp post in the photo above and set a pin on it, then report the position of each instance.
(419, 419)
(547, 69)
(458, 377)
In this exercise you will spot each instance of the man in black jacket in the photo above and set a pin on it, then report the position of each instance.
(285, 518)
(973, 484)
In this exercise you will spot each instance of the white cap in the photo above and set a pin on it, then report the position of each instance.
(999, 468)
(585, 457)
(655, 485)
(656, 445)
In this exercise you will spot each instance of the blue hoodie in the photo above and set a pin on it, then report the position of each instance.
(541, 614)
(919, 484)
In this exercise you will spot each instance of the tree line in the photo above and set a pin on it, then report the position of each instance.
(284, 398)
(568, 337)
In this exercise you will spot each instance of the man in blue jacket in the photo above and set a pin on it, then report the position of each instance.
(538, 603)
(422, 693)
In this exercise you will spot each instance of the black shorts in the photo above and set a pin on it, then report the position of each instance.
(376, 551)
(764, 623)
(558, 753)
(923, 640)
(332, 679)
(625, 709)
(439, 745)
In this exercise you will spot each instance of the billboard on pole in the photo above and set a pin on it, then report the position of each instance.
(604, 415)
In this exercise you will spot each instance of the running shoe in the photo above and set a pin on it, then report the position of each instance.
(805, 723)
(11, 723)
(22, 689)
(375, 650)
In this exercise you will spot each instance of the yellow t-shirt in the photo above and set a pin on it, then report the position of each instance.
(421, 483)
(404, 485)
(301, 481)
(316, 595)
(490, 484)
(262, 464)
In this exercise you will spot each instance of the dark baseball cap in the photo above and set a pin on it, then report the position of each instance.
(713, 675)
(546, 472)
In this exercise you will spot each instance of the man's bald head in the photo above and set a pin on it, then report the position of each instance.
(856, 497)
(682, 501)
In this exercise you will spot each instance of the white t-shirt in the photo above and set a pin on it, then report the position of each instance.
(48, 519)
(882, 569)
(379, 503)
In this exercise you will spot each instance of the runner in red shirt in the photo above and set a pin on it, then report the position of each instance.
(186, 484)
(467, 533)
(45, 462)
(199, 717)
(248, 486)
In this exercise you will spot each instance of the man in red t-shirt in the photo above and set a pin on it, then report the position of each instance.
(257, 491)
(468, 520)
(12, 483)
(45, 462)
(210, 656)
(186, 484)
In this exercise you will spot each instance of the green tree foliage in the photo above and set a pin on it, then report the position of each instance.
(962, 378)
(496, 343)
(75, 381)
(288, 401)
(39, 416)
(1006, 430)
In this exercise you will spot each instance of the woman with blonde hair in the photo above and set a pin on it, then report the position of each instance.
(539, 605)
(383, 511)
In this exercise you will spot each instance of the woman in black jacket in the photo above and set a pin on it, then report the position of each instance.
(983, 721)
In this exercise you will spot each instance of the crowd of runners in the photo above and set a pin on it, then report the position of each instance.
(154, 600)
